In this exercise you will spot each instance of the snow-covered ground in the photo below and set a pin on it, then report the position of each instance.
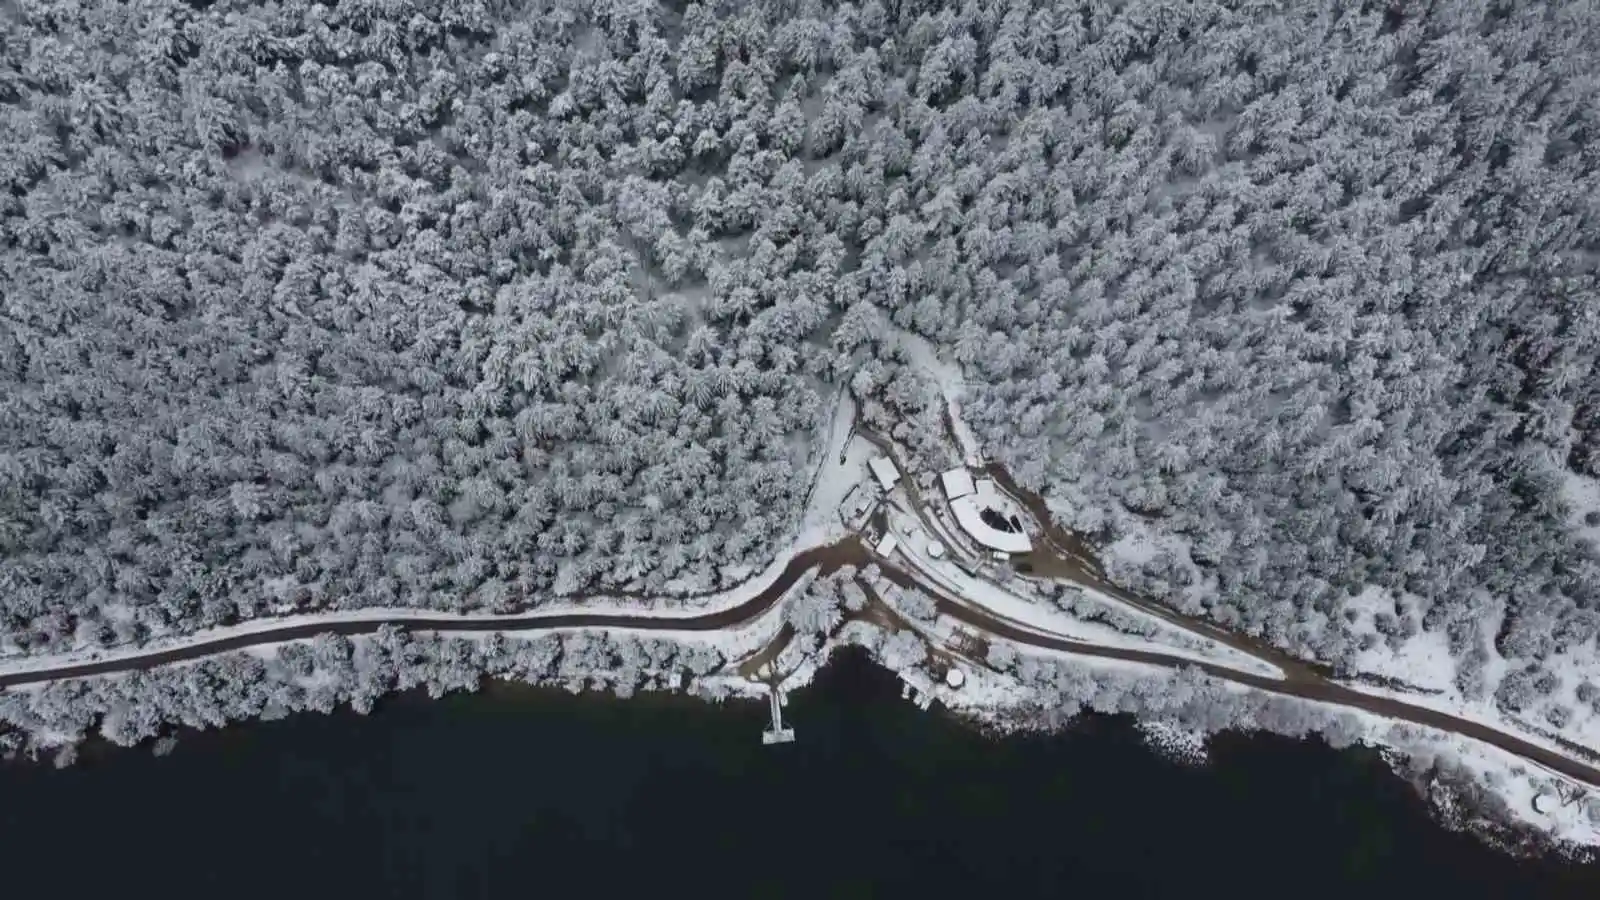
(1423, 661)
(1135, 547)
(1533, 796)
(983, 691)
(1044, 618)
(820, 523)
(1481, 711)
(952, 385)
(1582, 494)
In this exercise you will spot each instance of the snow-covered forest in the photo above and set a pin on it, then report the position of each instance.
(471, 304)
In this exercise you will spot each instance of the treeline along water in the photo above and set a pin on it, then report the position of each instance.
(514, 793)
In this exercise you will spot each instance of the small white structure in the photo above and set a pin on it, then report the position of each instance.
(883, 469)
(957, 483)
(887, 546)
(935, 549)
(1001, 556)
(955, 678)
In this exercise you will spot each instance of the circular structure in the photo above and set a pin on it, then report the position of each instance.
(935, 549)
(955, 678)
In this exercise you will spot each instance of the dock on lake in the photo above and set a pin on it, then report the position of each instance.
(777, 734)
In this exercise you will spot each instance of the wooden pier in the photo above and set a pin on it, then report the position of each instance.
(777, 734)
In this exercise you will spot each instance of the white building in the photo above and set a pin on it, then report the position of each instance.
(887, 545)
(957, 483)
(883, 469)
(968, 511)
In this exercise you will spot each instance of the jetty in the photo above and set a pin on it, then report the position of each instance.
(777, 734)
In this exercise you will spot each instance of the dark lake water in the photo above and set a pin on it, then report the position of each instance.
(523, 794)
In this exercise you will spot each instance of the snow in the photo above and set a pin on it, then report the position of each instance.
(1582, 494)
(1136, 547)
(883, 469)
(1533, 795)
(985, 693)
(1574, 668)
(1481, 711)
(952, 384)
(1422, 661)
(1045, 619)
(833, 481)
(1514, 779)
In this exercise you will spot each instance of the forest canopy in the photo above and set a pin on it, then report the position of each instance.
(470, 305)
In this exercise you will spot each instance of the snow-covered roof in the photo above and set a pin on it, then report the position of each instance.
(969, 516)
(887, 545)
(883, 468)
(935, 549)
(957, 483)
(955, 678)
(985, 488)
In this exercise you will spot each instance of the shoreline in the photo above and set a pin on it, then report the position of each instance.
(1454, 801)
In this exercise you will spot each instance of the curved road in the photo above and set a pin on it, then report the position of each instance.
(1300, 682)
(829, 557)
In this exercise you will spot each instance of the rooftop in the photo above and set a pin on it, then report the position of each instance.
(887, 545)
(883, 469)
(969, 515)
(957, 483)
